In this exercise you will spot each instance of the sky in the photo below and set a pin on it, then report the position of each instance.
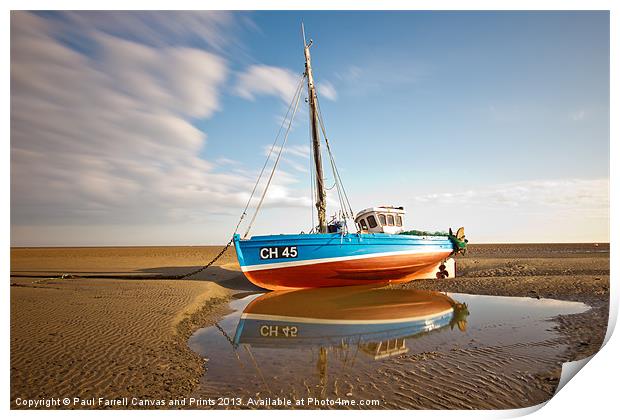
(150, 128)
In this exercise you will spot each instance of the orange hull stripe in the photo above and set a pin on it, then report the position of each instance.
(387, 269)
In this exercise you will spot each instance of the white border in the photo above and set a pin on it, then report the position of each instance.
(592, 395)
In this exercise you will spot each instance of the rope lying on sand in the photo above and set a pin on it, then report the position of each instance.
(126, 276)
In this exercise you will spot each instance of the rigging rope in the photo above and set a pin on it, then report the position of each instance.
(270, 153)
(275, 165)
(342, 195)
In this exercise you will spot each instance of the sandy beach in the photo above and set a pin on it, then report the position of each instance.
(114, 338)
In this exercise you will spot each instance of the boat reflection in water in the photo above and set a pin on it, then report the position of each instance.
(375, 321)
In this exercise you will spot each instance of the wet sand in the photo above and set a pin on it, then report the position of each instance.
(102, 337)
(514, 376)
(106, 337)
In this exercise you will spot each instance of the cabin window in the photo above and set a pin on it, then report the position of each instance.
(363, 224)
(382, 219)
(399, 221)
(390, 220)
(372, 222)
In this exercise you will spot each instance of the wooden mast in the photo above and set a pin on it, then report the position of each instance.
(321, 198)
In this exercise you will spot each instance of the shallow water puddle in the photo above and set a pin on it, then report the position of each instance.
(401, 347)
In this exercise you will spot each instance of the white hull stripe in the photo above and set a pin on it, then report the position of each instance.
(344, 321)
(333, 259)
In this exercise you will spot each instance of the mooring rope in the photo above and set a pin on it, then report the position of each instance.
(64, 276)
(226, 336)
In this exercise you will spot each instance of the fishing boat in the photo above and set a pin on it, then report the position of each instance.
(376, 321)
(366, 248)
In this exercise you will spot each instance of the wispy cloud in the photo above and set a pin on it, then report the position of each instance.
(572, 194)
(351, 74)
(299, 150)
(290, 155)
(565, 210)
(578, 115)
(327, 90)
(378, 76)
(227, 162)
(260, 79)
(108, 137)
(152, 28)
(267, 80)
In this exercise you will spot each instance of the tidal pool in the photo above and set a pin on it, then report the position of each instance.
(402, 348)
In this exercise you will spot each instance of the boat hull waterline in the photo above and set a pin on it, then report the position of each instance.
(283, 262)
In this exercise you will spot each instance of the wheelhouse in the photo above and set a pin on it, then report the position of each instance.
(384, 219)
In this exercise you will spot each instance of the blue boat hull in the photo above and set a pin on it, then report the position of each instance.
(282, 262)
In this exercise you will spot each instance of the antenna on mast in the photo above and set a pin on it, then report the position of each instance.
(303, 35)
(303, 32)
